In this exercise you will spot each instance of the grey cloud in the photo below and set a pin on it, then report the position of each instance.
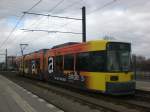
(126, 20)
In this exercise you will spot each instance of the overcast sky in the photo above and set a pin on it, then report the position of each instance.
(125, 20)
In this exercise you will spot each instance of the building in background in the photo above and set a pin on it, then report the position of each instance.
(11, 64)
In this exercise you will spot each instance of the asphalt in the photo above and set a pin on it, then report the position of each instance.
(14, 98)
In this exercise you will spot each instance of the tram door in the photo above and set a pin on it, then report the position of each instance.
(58, 65)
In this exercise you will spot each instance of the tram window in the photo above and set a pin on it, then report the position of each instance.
(68, 62)
(38, 64)
(91, 61)
(118, 57)
(30, 66)
(58, 63)
(82, 61)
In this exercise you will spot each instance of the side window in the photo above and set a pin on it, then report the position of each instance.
(59, 63)
(82, 61)
(91, 61)
(98, 61)
(69, 62)
(30, 66)
(38, 64)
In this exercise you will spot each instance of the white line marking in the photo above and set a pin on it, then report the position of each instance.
(21, 102)
(60, 111)
(50, 105)
(41, 100)
(28, 92)
(24, 90)
(34, 96)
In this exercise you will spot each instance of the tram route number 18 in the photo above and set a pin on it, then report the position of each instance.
(50, 65)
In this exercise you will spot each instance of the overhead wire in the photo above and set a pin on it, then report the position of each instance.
(12, 31)
(48, 15)
(62, 26)
(72, 4)
(48, 31)
(53, 8)
(18, 22)
(34, 5)
(59, 3)
(88, 14)
(95, 10)
(105, 5)
(56, 5)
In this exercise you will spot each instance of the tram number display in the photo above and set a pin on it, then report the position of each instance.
(50, 65)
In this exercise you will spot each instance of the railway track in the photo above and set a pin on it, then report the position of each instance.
(143, 95)
(102, 102)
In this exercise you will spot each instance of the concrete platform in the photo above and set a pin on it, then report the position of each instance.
(143, 85)
(14, 98)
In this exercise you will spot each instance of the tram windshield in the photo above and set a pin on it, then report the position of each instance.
(118, 57)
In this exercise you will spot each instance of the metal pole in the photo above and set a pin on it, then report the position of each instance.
(22, 61)
(83, 24)
(22, 47)
(135, 73)
(22, 65)
(6, 60)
